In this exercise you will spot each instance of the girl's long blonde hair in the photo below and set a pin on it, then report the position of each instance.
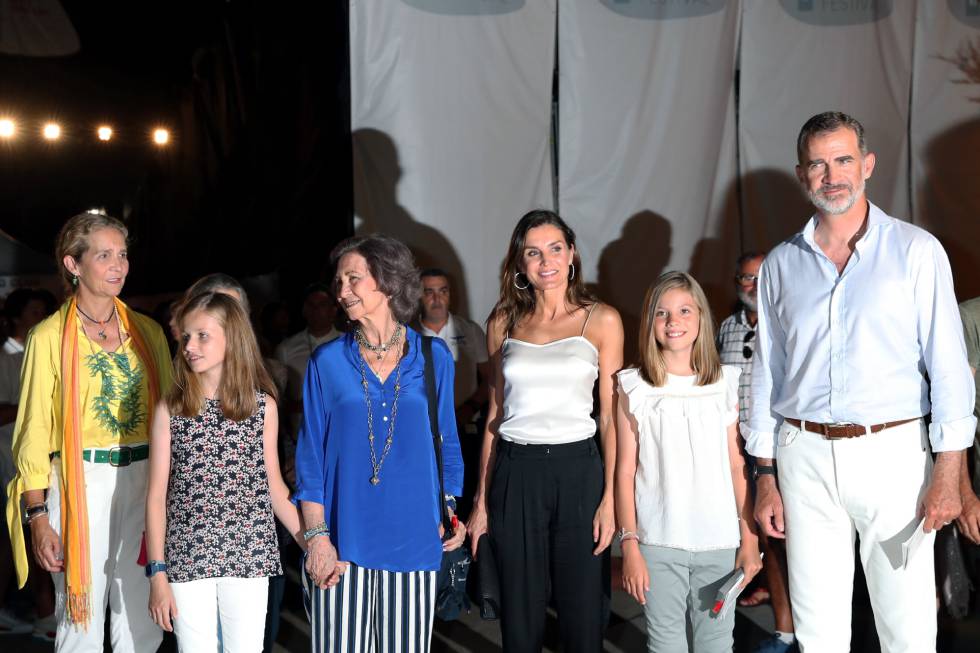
(243, 371)
(704, 355)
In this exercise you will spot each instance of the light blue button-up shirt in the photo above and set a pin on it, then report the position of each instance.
(880, 342)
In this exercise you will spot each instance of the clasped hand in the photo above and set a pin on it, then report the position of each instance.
(321, 563)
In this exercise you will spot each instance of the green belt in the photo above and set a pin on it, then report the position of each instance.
(116, 456)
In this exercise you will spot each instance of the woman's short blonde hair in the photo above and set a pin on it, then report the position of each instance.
(73, 239)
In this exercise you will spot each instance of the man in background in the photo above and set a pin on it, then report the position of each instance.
(468, 344)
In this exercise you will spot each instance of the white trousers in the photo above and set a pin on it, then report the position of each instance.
(116, 516)
(239, 603)
(873, 486)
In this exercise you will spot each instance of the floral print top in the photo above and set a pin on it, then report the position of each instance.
(219, 512)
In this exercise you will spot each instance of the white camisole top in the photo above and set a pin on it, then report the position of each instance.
(548, 390)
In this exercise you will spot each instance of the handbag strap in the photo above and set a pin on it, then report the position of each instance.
(430, 392)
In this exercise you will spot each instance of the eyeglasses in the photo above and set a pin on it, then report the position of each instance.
(746, 350)
(746, 278)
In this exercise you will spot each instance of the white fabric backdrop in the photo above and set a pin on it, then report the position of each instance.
(946, 133)
(801, 57)
(451, 120)
(450, 117)
(646, 155)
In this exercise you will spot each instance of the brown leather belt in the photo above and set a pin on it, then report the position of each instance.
(841, 431)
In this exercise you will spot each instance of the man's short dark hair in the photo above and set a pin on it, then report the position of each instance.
(828, 121)
(748, 256)
(17, 302)
(434, 272)
(314, 288)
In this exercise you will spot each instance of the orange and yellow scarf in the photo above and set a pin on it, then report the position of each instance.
(74, 508)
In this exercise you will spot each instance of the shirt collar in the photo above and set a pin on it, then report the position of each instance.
(448, 328)
(329, 335)
(876, 218)
(11, 346)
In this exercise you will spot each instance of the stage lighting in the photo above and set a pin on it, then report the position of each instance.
(105, 133)
(7, 128)
(161, 136)
(51, 131)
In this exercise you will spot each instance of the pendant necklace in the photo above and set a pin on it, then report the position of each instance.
(375, 463)
(382, 349)
(102, 323)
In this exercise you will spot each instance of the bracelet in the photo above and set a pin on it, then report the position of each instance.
(319, 529)
(627, 535)
(34, 511)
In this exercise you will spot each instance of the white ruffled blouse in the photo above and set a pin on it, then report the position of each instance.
(685, 498)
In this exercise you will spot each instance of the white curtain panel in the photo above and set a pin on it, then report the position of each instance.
(646, 148)
(802, 57)
(945, 132)
(450, 114)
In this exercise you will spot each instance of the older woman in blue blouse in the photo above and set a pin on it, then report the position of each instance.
(366, 471)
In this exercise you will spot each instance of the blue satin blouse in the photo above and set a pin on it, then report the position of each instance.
(393, 525)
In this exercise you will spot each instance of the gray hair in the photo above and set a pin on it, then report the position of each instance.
(828, 121)
(392, 265)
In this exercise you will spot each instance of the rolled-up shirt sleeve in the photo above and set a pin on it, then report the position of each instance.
(951, 387)
(452, 459)
(768, 374)
(311, 445)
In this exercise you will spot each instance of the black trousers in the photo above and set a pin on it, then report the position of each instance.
(541, 505)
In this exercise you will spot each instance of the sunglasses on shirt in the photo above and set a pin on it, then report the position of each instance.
(746, 350)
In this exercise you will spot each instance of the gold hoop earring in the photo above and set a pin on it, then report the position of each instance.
(521, 287)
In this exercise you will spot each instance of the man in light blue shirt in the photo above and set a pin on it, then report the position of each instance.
(860, 365)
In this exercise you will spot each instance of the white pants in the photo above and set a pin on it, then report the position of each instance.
(872, 485)
(116, 516)
(240, 604)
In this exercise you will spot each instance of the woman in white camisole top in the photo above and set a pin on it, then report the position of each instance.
(545, 493)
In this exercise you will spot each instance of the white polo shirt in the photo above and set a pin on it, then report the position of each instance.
(468, 344)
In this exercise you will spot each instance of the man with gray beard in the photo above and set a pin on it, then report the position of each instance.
(736, 336)
(860, 367)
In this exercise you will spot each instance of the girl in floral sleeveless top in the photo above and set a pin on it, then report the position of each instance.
(215, 484)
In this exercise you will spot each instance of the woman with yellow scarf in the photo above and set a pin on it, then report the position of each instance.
(92, 373)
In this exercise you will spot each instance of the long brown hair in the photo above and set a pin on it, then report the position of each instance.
(704, 355)
(242, 371)
(516, 304)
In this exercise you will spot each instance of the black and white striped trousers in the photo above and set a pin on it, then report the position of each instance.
(372, 611)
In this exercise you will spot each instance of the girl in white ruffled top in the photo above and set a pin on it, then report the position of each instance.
(682, 500)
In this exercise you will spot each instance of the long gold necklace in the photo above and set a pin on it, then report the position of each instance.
(375, 463)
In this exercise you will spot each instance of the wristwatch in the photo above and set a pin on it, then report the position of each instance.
(154, 566)
(759, 470)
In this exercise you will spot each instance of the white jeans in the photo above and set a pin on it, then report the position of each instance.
(872, 485)
(240, 604)
(116, 499)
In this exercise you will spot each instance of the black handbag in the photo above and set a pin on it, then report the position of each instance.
(486, 569)
(451, 599)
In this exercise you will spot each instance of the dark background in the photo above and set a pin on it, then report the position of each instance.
(257, 178)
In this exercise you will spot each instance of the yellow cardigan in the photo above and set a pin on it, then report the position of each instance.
(37, 433)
